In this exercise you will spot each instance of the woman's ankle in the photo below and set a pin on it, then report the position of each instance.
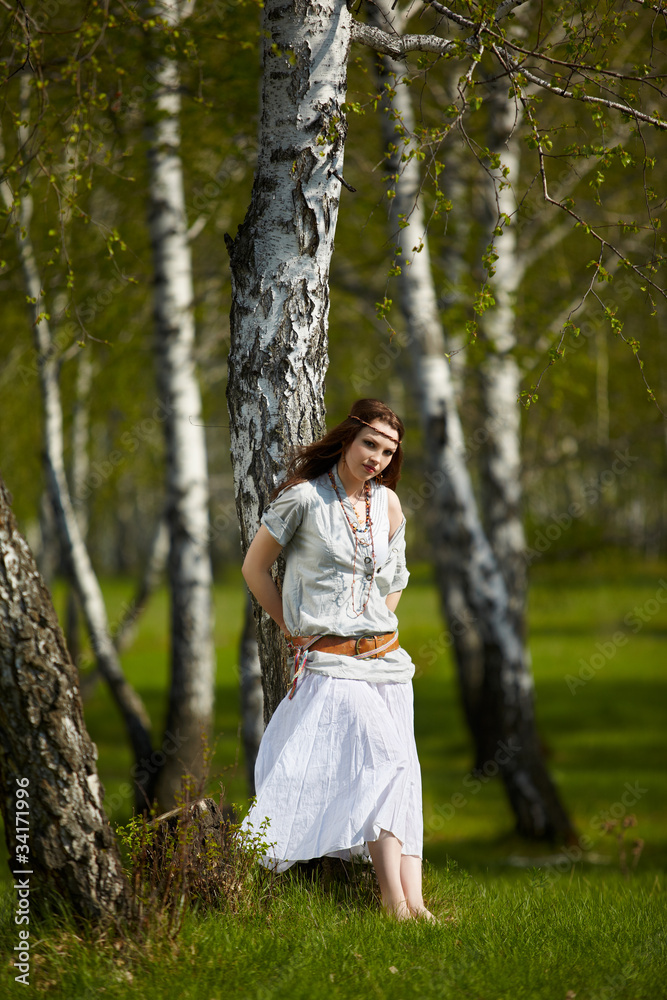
(421, 912)
(398, 908)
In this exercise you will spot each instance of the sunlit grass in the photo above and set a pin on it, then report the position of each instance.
(520, 931)
(594, 937)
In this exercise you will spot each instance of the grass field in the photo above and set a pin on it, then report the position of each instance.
(526, 921)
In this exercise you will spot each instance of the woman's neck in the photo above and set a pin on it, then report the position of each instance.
(353, 487)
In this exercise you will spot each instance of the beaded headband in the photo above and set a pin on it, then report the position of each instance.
(351, 416)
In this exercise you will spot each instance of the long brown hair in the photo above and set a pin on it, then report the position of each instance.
(313, 460)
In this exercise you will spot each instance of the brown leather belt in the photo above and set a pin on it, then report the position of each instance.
(355, 647)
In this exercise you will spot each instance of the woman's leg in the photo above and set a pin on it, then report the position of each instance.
(385, 854)
(411, 881)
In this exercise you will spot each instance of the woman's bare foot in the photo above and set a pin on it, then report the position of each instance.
(421, 913)
(398, 910)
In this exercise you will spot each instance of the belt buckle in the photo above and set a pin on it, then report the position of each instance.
(357, 651)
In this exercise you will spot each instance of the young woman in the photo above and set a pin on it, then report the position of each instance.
(337, 772)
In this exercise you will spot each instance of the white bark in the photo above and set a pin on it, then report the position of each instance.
(189, 567)
(470, 580)
(79, 473)
(453, 261)
(81, 435)
(500, 374)
(280, 266)
(83, 575)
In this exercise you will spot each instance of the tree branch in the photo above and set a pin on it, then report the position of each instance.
(463, 22)
(603, 245)
(398, 46)
(503, 9)
(506, 7)
(511, 65)
(577, 67)
(658, 8)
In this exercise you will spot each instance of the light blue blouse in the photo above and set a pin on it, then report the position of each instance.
(319, 548)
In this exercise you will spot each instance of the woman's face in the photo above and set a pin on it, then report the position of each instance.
(371, 452)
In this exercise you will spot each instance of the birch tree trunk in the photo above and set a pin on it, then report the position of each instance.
(280, 268)
(87, 585)
(252, 700)
(189, 567)
(46, 751)
(81, 435)
(472, 587)
(499, 372)
(79, 473)
(48, 552)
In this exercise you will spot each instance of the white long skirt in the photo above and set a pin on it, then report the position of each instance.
(337, 764)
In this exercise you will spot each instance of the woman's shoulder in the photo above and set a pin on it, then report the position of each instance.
(393, 503)
(394, 508)
(297, 493)
(394, 513)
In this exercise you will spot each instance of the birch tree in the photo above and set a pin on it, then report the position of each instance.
(289, 228)
(252, 701)
(79, 469)
(63, 839)
(189, 568)
(494, 676)
(84, 578)
(280, 268)
(500, 375)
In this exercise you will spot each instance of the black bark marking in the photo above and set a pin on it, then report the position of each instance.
(437, 430)
(304, 216)
(266, 301)
(300, 73)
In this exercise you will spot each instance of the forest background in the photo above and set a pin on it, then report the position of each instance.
(594, 440)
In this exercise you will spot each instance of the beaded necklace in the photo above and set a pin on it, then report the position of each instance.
(369, 561)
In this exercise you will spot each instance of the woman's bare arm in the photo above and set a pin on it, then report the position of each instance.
(392, 600)
(395, 512)
(260, 557)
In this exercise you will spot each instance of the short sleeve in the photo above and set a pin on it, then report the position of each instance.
(283, 515)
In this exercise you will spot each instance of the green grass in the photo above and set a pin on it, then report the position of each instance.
(508, 939)
(518, 933)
